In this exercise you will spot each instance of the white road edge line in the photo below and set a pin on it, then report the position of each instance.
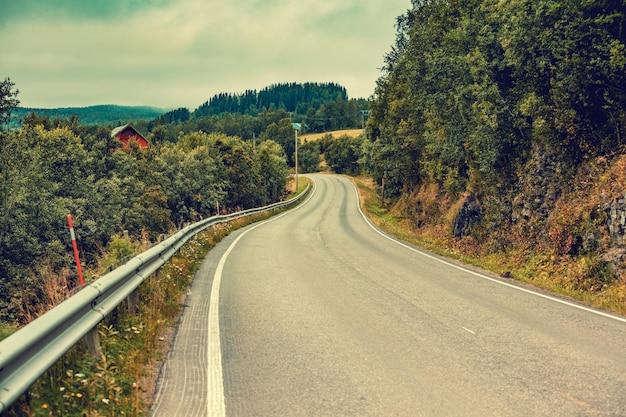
(216, 403)
(468, 330)
(469, 271)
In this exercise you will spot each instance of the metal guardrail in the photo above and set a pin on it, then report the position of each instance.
(29, 352)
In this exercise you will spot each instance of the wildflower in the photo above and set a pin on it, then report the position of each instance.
(106, 400)
(44, 406)
(61, 389)
(79, 395)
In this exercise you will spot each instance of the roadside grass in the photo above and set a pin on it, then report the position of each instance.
(291, 185)
(561, 276)
(302, 184)
(7, 329)
(133, 344)
(393, 224)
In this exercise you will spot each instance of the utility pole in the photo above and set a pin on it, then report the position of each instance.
(296, 127)
(363, 114)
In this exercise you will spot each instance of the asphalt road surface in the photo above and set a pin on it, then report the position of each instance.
(315, 313)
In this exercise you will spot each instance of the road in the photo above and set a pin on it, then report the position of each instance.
(315, 313)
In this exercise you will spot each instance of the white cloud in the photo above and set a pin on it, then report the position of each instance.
(182, 53)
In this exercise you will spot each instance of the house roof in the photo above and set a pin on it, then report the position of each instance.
(120, 129)
(126, 132)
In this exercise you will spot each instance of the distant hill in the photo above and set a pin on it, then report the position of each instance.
(321, 106)
(100, 114)
(293, 97)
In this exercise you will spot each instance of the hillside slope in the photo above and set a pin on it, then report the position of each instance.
(498, 131)
(99, 114)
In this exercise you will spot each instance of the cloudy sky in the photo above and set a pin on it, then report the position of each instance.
(179, 53)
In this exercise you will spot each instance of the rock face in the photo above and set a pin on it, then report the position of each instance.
(539, 190)
(616, 224)
(616, 219)
(468, 215)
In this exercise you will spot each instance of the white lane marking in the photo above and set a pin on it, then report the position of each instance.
(161, 387)
(468, 330)
(478, 274)
(216, 404)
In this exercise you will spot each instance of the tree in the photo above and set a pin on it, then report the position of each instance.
(309, 157)
(282, 133)
(9, 151)
(149, 214)
(568, 62)
(8, 101)
(272, 165)
(343, 154)
(244, 177)
(46, 181)
(194, 178)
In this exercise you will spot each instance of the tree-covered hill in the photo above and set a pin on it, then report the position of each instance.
(292, 97)
(100, 114)
(266, 114)
(320, 106)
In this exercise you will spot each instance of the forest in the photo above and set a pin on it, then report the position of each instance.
(101, 114)
(49, 169)
(474, 88)
(266, 115)
(293, 97)
(499, 128)
(320, 107)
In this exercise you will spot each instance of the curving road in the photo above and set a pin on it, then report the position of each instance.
(315, 313)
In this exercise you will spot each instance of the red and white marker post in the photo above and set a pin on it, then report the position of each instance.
(81, 281)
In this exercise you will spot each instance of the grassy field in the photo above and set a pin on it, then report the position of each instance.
(311, 137)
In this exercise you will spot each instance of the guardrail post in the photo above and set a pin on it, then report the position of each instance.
(92, 341)
(132, 301)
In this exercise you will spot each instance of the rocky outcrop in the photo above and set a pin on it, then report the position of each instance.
(539, 189)
(616, 219)
(468, 215)
(616, 224)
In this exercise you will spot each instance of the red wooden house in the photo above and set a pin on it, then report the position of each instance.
(127, 133)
